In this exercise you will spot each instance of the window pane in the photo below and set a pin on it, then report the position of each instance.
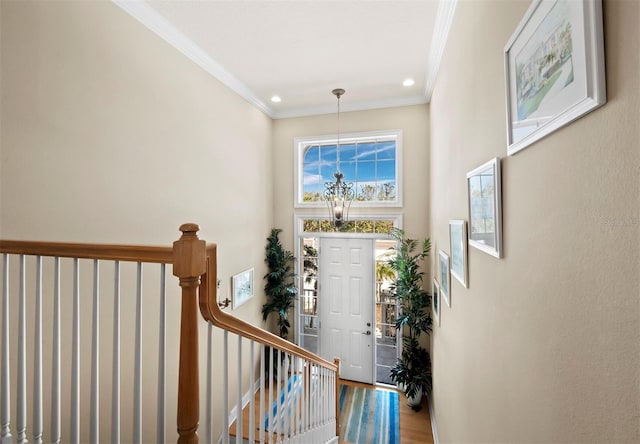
(327, 173)
(386, 170)
(367, 151)
(366, 171)
(366, 192)
(311, 225)
(349, 227)
(383, 226)
(347, 152)
(349, 171)
(311, 154)
(386, 191)
(387, 150)
(328, 154)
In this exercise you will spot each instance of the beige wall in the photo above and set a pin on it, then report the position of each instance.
(544, 345)
(414, 123)
(111, 135)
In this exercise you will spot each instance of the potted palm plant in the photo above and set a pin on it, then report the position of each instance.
(281, 293)
(279, 286)
(413, 370)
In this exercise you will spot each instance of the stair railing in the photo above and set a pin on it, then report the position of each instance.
(297, 390)
(294, 396)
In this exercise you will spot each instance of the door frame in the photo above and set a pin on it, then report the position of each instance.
(298, 220)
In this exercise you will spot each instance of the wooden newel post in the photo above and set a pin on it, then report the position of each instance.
(188, 265)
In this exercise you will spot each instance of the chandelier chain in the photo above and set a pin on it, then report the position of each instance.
(338, 145)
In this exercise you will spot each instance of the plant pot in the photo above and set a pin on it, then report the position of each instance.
(415, 400)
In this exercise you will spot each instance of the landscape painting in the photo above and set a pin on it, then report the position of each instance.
(554, 66)
(544, 66)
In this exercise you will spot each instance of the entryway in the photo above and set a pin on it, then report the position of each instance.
(381, 298)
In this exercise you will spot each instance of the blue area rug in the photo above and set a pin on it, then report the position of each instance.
(293, 389)
(369, 416)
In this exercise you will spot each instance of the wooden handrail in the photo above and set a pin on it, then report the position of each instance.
(211, 312)
(125, 253)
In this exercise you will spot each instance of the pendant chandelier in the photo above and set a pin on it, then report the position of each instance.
(338, 194)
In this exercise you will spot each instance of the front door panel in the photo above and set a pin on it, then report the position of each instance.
(346, 305)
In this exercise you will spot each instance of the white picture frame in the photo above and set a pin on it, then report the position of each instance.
(445, 277)
(241, 288)
(485, 208)
(436, 302)
(554, 69)
(458, 249)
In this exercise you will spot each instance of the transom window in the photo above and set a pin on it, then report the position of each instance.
(381, 226)
(370, 161)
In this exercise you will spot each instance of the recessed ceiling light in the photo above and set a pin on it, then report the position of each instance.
(276, 99)
(408, 82)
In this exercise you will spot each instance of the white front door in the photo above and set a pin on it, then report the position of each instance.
(346, 274)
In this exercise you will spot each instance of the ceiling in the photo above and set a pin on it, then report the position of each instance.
(300, 50)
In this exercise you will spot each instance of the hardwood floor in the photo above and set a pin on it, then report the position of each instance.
(415, 426)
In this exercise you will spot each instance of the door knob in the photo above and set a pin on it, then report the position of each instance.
(368, 332)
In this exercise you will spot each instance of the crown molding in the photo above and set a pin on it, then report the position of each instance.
(347, 107)
(444, 18)
(154, 21)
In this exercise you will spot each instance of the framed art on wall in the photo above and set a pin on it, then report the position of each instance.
(554, 68)
(435, 301)
(242, 287)
(445, 281)
(458, 248)
(485, 208)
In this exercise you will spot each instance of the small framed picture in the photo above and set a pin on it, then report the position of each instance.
(458, 248)
(435, 301)
(242, 287)
(554, 64)
(485, 208)
(445, 282)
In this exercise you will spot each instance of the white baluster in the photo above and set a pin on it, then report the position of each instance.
(239, 394)
(286, 410)
(321, 396)
(37, 358)
(115, 385)
(95, 359)
(279, 407)
(252, 425)
(208, 425)
(160, 427)
(305, 395)
(334, 398)
(21, 414)
(314, 370)
(294, 399)
(75, 358)
(325, 393)
(299, 394)
(270, 405)
(6, 395)
(225, 388)
(137, 377)
(262, 432)
(55, 358)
